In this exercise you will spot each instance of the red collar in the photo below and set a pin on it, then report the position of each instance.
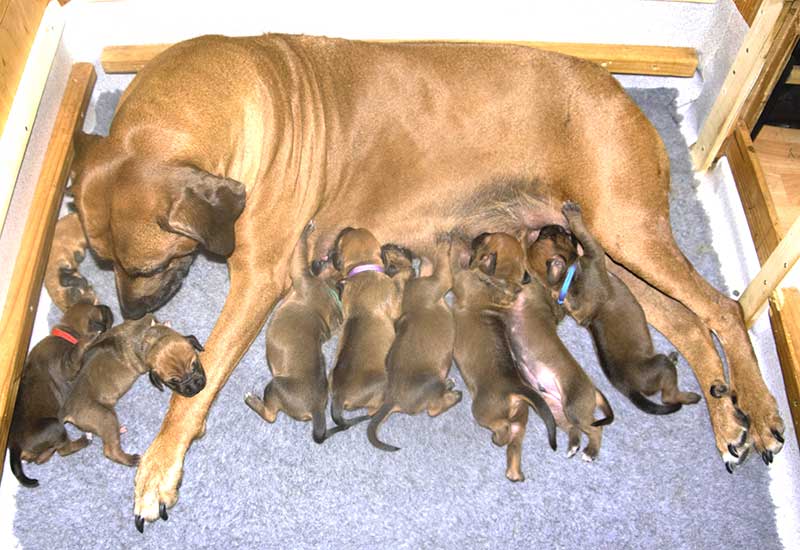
(58, 333)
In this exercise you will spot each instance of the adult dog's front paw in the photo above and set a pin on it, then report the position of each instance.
(157, 481)
(731, 430)
(766, 425)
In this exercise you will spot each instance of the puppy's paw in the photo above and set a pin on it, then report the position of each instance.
(572, 451)
(309, 228)
(515, 475)
(570, 209)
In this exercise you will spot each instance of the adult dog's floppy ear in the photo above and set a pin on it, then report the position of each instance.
(155, 380)
(195, 342)
(206, 208)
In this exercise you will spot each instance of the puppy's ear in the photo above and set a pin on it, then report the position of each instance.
(477, 241)
(488, 263)
(556, 266)
(155, 380)
(206, 208)
(526, 278)
(333, 255)
(195, 342)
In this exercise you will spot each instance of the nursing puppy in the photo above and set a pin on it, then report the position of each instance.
(371, 302)
(422, 352)
(301, 324)
(36, 430)
(113, 363)
(500, 399)
(542, 359)
(65, 285)
(599, 300)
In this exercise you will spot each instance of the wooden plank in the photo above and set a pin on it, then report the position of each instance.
(741, 78)
(756, 199)
(785, 319)
(26, 281)
(14, 137)
(20, 20)
(773, 270)
(748, 9)
(778, 150)
(783, 43)
(794, 76)
(624, 59)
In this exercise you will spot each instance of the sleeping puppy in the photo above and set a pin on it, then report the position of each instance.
(543, 361)
(500, 399)
(64, 283)
(598, 299)
(113, 363)
(36, 430)
(371, 304)
(301, 324)
(422, 352)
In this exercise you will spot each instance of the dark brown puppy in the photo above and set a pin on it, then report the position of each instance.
(500, 399)
(599, 300)
(113, 363)
(371, 302)
(422, 352)
(543, 361)
(64, 283)
(302, 323)
(50, 369)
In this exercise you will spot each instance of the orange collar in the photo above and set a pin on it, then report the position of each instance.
(58, 333)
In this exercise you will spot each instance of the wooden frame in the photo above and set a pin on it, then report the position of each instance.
(26, 282)
(617, 58)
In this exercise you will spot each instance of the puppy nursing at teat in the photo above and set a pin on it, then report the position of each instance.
(422, 352)
(598, 300)
(303, 321)
(371, 302)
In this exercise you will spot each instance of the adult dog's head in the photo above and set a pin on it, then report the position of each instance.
(148, 218)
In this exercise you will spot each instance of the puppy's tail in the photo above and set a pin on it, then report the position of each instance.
(540, 406)
(602, 403)
(16, 468)
(372, 430)
(649, 407)
(320, 431)
(337, 413)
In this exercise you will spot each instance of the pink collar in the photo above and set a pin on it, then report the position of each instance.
(64, 335)
(365, 267)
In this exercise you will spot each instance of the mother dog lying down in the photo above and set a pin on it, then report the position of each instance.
(232, 144)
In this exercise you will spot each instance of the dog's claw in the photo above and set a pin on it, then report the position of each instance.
(139, 522)
(732, 450)
(777, 435)
(767, 457)
(162, 511)
(729, 467)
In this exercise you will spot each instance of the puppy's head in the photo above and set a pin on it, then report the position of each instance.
(397, 260)
(148, 219)
(86, 320)
(499, 255)
(355, 247)
(173, 361)
(549, 258)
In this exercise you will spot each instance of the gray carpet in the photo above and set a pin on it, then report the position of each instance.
(659, 481)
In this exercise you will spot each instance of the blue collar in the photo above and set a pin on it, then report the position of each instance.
(562, 294)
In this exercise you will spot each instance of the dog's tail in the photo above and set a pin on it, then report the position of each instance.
(15, 458)
(644, 404)
(337, 413)
(372, 430)
(540, 406)
(602, 403)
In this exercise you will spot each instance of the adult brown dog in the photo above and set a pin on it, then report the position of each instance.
(409, 140)
(37, 429)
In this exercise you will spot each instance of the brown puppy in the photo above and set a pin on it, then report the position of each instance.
(371, 303)
(113, 363)
(599, 300)
(422, 352)
(319, 127)
(64, 283)
(302, 323)
(500, 399)
(543, 361)
(50, 369)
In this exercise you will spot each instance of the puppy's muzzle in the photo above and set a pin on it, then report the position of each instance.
(191, 384)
